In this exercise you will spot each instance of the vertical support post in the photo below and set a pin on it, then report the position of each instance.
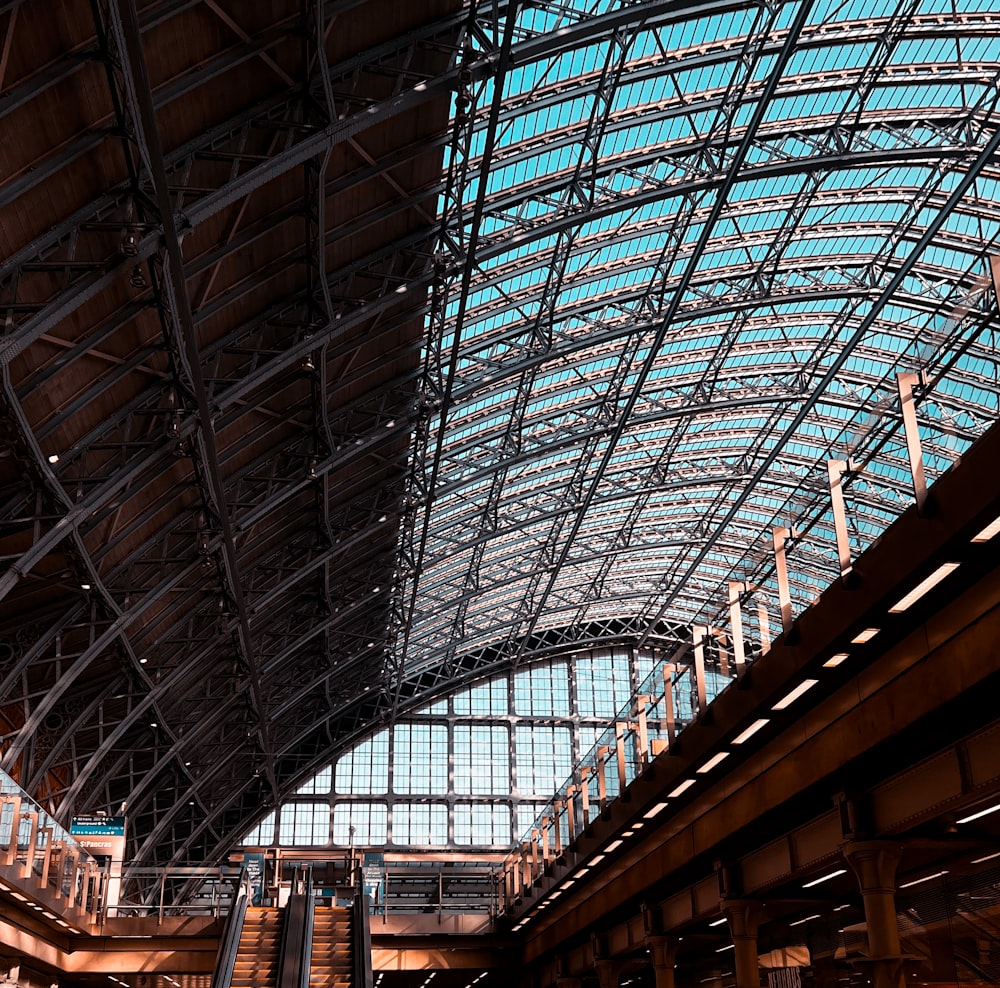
(668, 700)
(643, 733)
(905, 382)
(700, 634)
(536, 869)
(744, 916)
(620, 729)
(559, 805)
(736, 627)
(720, 643)
(602, 786)
(570, 811)
(764, 627)
(15, 825)
(544, 834)
(29, 853)
(43, 878)
(584, 801)
(836, 470)
(874, 864)
(57, 864)
(780, 534)
(663, 953)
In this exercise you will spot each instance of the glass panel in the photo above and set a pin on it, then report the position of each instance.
(365, 768)
(416, 824)
(369, 821)
(482, 759)
(304, 823)
(420, 761)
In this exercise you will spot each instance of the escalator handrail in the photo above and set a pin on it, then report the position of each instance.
(361, 935)
(296, 936)
(229, 944)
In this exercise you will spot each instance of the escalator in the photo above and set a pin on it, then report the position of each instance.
(298, 946)
(332, 954)
(259, 955)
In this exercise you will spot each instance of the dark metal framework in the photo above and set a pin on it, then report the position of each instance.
(302, 428)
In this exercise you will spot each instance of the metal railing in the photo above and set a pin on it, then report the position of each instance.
(41, 864)
(675, 694)
(229, 945)
(166, 892)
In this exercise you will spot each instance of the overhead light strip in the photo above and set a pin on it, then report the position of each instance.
(825, 878)
(789, 698)
(925, 586)
(712, 762)
(979, 813)
(920, 881)
(751, 730)
(988, 532)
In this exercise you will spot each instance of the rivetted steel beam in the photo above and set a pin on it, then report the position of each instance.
(730, 179)
(140, 93)
(984, 158)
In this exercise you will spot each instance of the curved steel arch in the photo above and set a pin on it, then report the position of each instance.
(600, 374)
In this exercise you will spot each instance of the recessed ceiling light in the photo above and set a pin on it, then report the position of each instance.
(683, 787)
(988, 532)
(712, 762)
(53, 458)
(613, 846)
(920, 881)
(789, 698)
(718, 922)
(825, 878)
(865, 636)
(751, 730)
(979, 813)
(799, 922)
(925, 586)
(835, 660)
(989, 857)
(658, 808)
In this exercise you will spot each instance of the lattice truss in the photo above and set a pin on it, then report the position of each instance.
(217, 219)
(685, 252)
(674, 261)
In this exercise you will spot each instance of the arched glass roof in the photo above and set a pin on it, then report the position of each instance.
(686, 250)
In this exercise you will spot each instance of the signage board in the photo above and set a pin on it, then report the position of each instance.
(373, 873)
(254, 863)
(103, 837)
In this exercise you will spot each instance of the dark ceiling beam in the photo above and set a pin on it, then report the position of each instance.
(212, 202)
(139, 90)
(984, 158)
(725, 186)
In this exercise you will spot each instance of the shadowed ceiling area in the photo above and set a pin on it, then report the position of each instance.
(354, 351)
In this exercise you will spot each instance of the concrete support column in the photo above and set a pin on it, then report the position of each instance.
(663, 953)
(744, 916)
(607, 972)
(874, 864)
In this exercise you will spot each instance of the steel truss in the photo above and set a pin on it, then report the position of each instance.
(639, 377)
(667, 272)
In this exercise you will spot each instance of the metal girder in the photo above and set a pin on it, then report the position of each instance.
(210, 203)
